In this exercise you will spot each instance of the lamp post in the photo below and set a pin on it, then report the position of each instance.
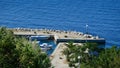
(79, 61)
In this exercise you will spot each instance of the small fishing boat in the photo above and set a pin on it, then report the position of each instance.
(39, 37)
(45, 45)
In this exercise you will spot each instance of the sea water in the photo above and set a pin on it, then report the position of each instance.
(101, 16)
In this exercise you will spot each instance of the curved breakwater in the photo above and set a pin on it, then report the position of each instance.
(58, 35)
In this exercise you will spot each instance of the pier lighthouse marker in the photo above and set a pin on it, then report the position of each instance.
(86, 31)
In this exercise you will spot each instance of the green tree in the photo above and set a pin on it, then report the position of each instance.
(107, 58)
(72, 52)
(31, 55)
(16, 52)
(8, 55)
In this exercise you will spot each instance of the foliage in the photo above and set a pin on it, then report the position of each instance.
(107, 58)
(20, 53)
(31, 56)
(72, 52)
(8, 55)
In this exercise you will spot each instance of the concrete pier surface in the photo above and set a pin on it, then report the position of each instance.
(57, 33)
(59, 60)
(59, 36)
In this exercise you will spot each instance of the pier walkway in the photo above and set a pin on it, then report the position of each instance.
(60, 36)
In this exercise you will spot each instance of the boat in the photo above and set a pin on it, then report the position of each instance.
(39, 37)
(45, 45)
(44, 49)
(36, 42)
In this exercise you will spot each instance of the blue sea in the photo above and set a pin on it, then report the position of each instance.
(102, 16)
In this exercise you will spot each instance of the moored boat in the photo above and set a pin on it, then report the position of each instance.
(45, 45)
(39, 37)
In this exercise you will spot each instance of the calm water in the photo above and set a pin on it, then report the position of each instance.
(102, 16)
